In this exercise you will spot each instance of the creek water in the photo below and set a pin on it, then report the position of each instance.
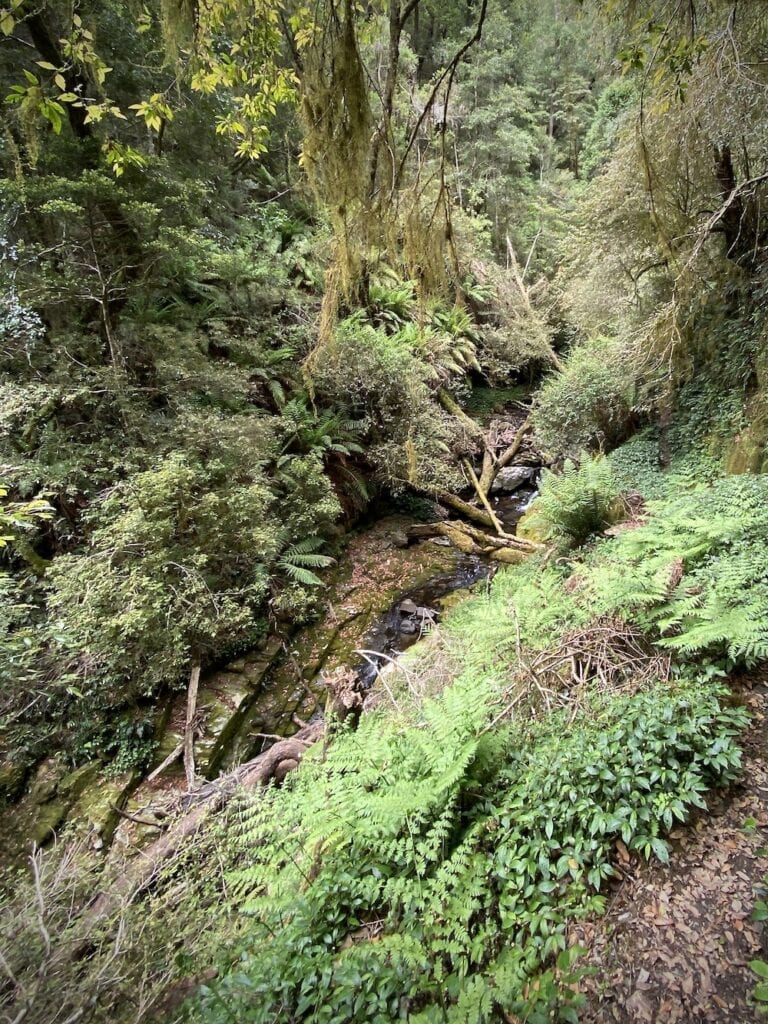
(414, 613)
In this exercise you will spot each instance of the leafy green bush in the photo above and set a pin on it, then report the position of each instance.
(181, 562)
(636, 467)
(613, 107)
(171, 573)
(588, 404)
(578, 502)
(384, 384)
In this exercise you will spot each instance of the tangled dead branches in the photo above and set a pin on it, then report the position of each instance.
(608, 655)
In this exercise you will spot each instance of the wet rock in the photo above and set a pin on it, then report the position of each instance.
(46, 820)
(12, 778)
(408, 607)
(73, 784)
(399, 539)
(408, 626)
(223, 703)
(511, 477)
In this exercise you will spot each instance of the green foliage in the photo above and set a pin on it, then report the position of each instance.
(611, 114)
(18, 518)
(636, 467)
(428, 868)
(181, 562)
(692, 578)
(578, 502)
(484, 402)
(760, 991)
(696, 572)
(171, 572)
(588, 404)
(383, 383)
(298, 560)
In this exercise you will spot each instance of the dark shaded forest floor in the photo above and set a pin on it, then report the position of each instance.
(676, 941)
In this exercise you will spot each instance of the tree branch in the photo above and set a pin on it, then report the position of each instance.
(448, 70)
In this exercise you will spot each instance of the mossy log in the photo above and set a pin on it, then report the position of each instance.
(471, 512)
(452, 406)
(472, 541)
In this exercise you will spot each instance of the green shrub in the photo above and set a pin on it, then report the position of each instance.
(181, 563)
(636, 467)
(588, 404)
(578, 502)
(384, 384)
(176, 566)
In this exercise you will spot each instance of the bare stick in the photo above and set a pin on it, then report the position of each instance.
(135, 818)
(483, 497)
(189, 730)
(176, 752)
(506, 457)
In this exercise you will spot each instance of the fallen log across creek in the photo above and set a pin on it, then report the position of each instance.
(473, 541)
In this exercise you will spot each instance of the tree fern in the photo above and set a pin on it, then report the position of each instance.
(578, 502)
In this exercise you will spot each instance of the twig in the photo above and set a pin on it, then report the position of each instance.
(176, 752)
(134, 818)
(189, 731)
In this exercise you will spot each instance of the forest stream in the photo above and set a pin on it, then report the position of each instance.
(385, 593)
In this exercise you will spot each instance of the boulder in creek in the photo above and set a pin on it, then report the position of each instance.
(510, 478)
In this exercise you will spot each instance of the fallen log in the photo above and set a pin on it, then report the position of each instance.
(506, 457)
(470, 539)
(507, 540)
(512, 556)
(477, 515)
(452, 406)
(492, 465)
(189, 727)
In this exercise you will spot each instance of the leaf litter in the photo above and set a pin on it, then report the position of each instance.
(675, 942)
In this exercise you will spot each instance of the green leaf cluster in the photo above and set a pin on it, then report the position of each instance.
(576, 503)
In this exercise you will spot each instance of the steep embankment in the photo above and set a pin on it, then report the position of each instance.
(432, 860)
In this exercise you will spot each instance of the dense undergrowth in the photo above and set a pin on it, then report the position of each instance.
(427, 866)
(210, 367)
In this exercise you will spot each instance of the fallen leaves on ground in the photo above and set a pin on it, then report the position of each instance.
(675, 943)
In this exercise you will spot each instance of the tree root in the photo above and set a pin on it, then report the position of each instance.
(141, 874)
